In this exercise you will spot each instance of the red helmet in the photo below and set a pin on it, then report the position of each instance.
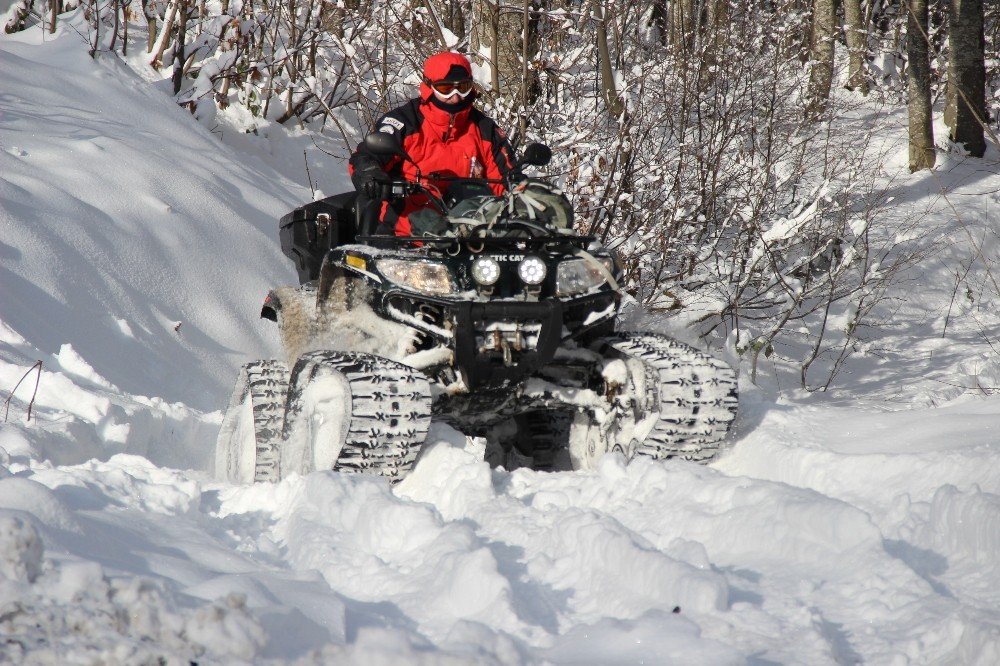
(444, 66)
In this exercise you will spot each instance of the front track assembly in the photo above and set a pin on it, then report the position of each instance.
(354, 412)
(350, 412)
(691, 395)
(249, 440)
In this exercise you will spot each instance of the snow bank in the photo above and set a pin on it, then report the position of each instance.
(70, 611)
(119, 221)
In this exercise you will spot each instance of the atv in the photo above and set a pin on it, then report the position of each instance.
(498, 319)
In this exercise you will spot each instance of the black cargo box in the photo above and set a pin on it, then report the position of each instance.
(306, 241)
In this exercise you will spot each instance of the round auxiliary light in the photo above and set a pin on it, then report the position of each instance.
(532, 270)
(485, 271)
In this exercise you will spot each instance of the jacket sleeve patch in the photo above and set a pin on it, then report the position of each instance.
(395, 122)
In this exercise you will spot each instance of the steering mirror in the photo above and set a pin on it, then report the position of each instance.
(536, 154)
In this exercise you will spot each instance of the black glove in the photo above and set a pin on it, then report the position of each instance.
(373, 182)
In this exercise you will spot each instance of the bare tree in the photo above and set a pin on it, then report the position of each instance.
(967, 75)
(162, 40)
(486, 32)
(501, 27)
(658, 13)
(856, 35)
(149, 12)
(822, 52)
(610, 94)
(919, 87)
(180, 44)
(682, 22)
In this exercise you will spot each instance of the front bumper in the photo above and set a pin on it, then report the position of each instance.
(497, 343)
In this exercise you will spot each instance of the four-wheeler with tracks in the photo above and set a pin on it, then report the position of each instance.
(499, 320)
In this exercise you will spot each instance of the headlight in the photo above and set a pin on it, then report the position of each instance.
(576, 276)
(532, 270)
(424, 276)
(486, 271)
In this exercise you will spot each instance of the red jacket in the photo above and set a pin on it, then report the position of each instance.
(440, 141)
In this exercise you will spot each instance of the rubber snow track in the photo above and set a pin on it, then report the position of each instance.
(265, 384)
(695, 394)
(390, 410)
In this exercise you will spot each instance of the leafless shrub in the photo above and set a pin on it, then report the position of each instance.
(694, 159)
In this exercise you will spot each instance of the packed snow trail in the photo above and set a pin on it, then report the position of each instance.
(666, 561)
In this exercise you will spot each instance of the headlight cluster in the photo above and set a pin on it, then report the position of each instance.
(573, 276)
(485, 271)
(427, 277)
(532, 270)
(577, 275)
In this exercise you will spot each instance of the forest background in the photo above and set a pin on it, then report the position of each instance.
(726, 150)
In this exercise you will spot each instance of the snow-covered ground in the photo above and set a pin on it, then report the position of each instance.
(861, 526)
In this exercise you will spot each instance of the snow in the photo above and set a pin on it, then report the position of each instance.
(136, 246)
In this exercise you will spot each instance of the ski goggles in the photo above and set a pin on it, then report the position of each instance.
(447, 88)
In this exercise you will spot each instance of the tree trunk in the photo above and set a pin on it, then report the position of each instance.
(163, 40)
(485, 33)
(609, 92)
(508, 48)
(526, 93)
(856, 41)
(967, 74)
(717, 13)
(149, 11)
(511, 33)
(658, 18)
(180, 45)
(796, 43)
(459, 8)
(291, 60)
(116, 24)
(821, 75)
(918, 87)
(438, 25)
(715, 28)
(682, 22)
(452, 15)
(95, 17)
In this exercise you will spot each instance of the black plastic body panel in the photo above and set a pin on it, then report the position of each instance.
(306, 242)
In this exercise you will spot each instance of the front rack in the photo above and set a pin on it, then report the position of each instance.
(503, 242)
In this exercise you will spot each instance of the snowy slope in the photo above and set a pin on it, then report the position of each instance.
(131, 220)
(835, 531)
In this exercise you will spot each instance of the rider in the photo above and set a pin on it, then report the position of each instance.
(444, 135)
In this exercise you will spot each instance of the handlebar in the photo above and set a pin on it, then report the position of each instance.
(401, 187)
